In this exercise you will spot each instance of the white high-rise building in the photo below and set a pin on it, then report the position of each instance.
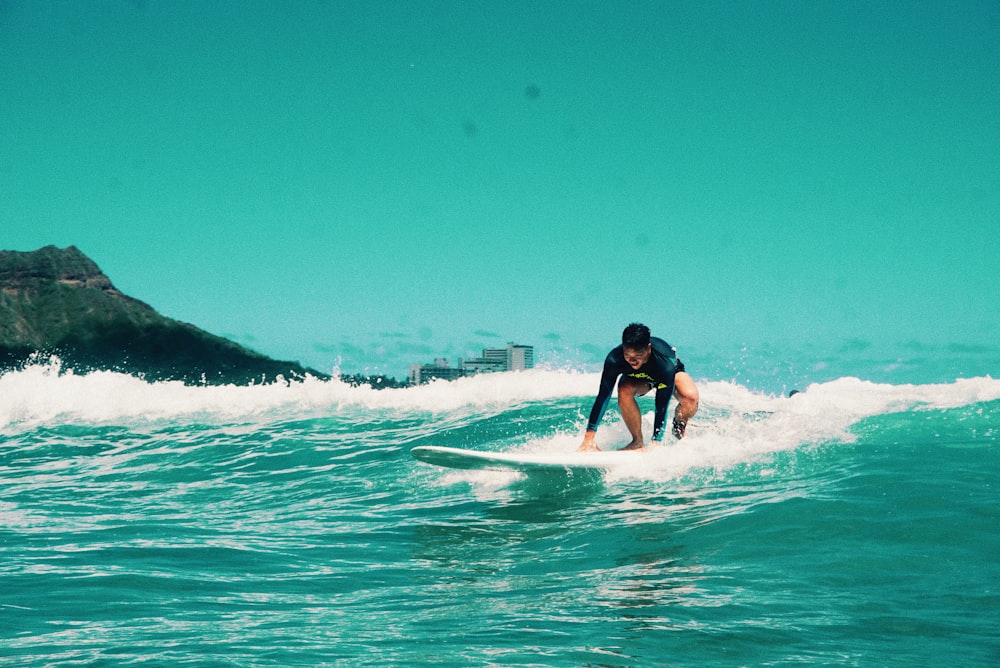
(515, 356)
(520, 357)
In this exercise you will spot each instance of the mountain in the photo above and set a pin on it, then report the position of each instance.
(57, 301)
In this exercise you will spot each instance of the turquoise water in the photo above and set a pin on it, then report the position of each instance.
(854, 523)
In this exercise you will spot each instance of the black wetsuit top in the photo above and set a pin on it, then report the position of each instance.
(659, 371)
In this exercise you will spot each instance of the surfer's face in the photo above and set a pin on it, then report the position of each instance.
(635, 358)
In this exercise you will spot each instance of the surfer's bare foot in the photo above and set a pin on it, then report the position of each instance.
(635, 445)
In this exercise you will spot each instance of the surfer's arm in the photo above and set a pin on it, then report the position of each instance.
(608, 377)
(662, 401)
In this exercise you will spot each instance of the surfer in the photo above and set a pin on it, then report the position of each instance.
(644, 363)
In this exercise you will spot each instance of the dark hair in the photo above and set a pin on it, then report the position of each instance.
(635, 336)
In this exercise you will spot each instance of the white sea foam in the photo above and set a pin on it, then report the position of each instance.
(47, 395)
(736, 426)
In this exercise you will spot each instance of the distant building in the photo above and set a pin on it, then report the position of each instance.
(483, 365)
(425, 373)
(497, 354)
(514, 357)
(520, 358)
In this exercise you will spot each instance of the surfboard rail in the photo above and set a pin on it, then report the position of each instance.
(460, 458)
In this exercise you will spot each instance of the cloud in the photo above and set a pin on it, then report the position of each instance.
(350, 350)
(414, 349)
(966, 349)
(855, 346)
(595, 353)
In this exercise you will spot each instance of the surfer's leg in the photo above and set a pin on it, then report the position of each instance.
(628, 390)
(686, 394)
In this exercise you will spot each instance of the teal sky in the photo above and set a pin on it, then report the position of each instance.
(384, 183)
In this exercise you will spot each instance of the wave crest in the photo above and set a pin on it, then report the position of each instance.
(46, 394)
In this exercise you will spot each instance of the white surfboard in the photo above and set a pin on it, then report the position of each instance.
(457, 458)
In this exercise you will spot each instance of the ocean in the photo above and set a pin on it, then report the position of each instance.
(854, 523)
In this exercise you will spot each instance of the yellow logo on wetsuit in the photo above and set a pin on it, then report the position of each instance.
(638, 375)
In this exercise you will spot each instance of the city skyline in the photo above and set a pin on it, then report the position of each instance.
(515, 357)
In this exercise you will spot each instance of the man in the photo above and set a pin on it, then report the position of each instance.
(644, 363)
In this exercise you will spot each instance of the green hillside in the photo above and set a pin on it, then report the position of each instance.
(57, 301)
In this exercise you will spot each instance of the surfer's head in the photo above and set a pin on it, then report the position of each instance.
(635, 336)
(635, 345)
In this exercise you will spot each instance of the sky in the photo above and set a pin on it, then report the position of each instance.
(370, 185)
